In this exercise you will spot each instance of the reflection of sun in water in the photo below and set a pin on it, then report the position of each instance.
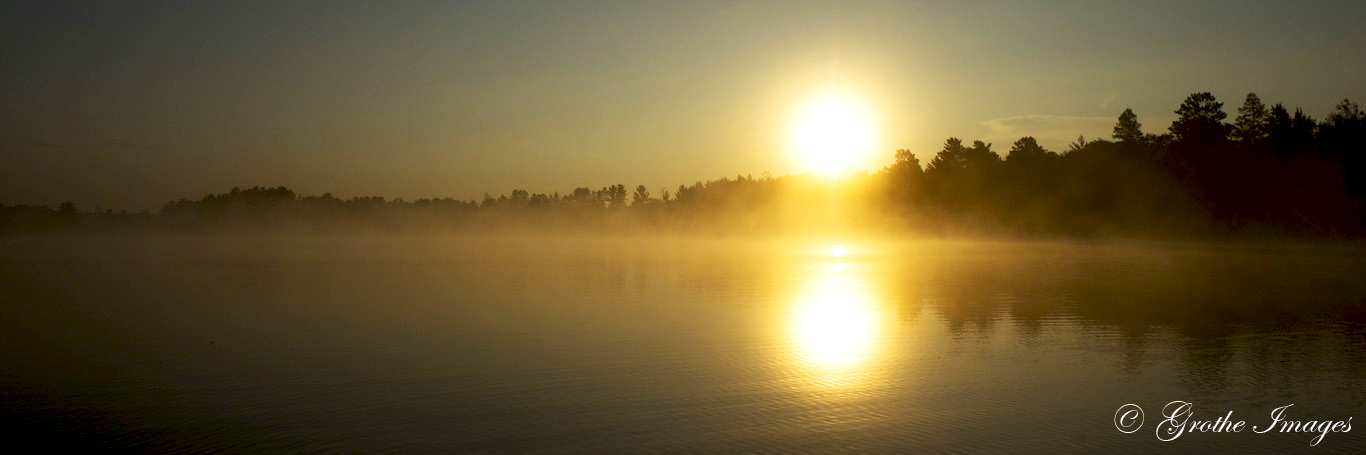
(835, 326)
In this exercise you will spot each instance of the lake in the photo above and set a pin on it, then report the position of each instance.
(426, 343)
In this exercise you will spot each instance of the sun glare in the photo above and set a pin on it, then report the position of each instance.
(835, 324)
(832, 133)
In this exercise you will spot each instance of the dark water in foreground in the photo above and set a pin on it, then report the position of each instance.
(426, 344)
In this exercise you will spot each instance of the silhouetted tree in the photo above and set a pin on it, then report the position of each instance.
(1302, 129)
(1158, 142)
(582, 198)
(641, 196)
(906, 160)
(1029, 181)
(1077, 145)
(1343, 132)
(1279, 133)
(1250, 127)
(953, 157)
(1347, 115)
(520, 198)
(617, 196)
(959, 177)
(1200, 119)
(67, 211)
(1027, 151)
(980, 155)
(905, 173)
(1127, 129)
(1342, 135)
(906, 168)
(1201, 157)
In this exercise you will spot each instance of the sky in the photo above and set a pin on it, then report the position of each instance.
(128, 105)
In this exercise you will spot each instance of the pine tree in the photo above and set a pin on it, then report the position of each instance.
(1200, 119)
(1251, 125)
(1127, 129)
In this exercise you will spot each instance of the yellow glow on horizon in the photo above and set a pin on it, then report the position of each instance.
(832, 133)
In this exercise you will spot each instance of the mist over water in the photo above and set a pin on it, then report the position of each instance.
(412, 343)
(696, 227)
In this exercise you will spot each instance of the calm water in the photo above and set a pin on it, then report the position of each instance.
(430, 344)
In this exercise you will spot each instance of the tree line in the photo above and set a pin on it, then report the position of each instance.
(1267, 171)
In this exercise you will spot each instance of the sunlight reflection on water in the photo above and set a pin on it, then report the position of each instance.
(836, 325)
(522, 345)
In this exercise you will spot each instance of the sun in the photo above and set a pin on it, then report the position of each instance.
(831, 133)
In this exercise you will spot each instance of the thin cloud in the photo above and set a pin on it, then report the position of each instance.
(1109, 99)
(1053, 132)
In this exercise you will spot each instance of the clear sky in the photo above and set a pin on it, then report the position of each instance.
(128, 105)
